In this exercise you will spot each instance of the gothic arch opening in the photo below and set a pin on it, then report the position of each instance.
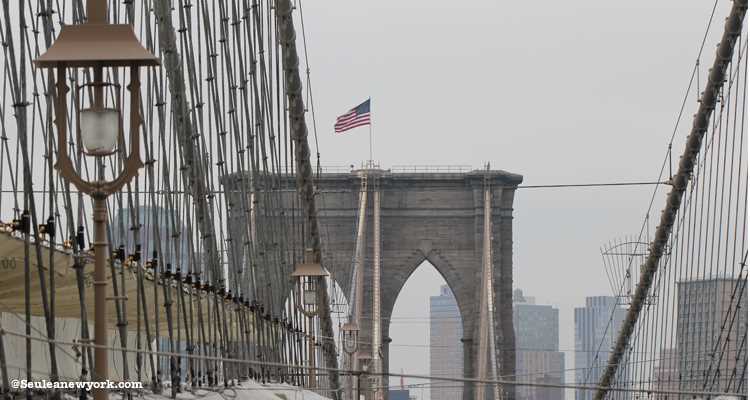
(425, 329)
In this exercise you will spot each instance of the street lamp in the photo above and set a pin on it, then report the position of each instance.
(350, 342)
(349, 337)
(307, 276)
(100, 46)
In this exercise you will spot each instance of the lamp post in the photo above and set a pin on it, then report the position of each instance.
(99, 46)
(350, 342)
(364, 359)
(307, 278)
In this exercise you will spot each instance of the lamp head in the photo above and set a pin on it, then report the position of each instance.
(306, 276)
(99, 46)
(100, 130)
(365, 359)
(350, 336)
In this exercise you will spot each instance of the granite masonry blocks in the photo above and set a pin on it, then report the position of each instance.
(436, 217)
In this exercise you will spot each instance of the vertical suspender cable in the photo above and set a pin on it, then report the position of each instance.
(485, 299)
(357, 279)
(376, 332)
(356, 285)
(491, 323)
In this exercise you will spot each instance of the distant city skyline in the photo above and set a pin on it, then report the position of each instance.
(538, 358)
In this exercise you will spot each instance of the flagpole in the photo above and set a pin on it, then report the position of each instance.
(371, 120)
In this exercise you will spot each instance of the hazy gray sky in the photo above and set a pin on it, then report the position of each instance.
(560, 92)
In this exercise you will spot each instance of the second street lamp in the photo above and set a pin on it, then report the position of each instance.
(307, 276)
(349, 343)
(349, 337)
(101, 47)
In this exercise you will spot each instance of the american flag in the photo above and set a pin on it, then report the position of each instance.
(357, 116)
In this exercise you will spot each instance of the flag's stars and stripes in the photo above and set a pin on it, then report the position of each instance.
(357, 116)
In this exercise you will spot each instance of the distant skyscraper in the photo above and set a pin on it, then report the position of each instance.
(398, 394)
(537, 326)
(538, 358)
(711, 334)
(596, 328)
(446, 351)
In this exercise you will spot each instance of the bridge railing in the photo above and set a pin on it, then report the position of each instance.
(324, 169)
(345, 169)
(431, 168)
(336, 169)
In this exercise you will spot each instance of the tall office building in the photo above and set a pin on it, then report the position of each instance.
(711, 334)
(538, 358)
(596, 328)
(537, 326)
(446, 351)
